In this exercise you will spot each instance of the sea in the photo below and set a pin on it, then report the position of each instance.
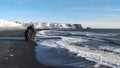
(79, 48)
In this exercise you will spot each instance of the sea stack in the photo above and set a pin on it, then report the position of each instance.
(30, 33)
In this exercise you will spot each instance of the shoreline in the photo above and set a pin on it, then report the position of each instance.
(18, 54)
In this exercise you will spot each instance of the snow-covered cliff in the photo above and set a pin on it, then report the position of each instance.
(39, 25)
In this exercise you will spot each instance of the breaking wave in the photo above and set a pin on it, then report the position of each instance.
(98, 47)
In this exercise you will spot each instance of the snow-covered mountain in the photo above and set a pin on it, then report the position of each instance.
(39, 25)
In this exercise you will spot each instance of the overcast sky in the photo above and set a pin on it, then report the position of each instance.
(91, 13)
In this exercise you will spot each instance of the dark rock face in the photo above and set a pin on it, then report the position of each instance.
(77, 26)
(30, 33)
(68, 25)
(88, 28)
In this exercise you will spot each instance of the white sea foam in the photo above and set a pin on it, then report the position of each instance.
(98, 56)
(93, 34)
(112, 48)
(50, 43)
(52, 33)
(107, 58)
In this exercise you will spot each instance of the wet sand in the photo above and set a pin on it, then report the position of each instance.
(18, 54)
(21, 54)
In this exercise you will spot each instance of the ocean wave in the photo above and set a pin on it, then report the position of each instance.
(52, 33)
(95, 49)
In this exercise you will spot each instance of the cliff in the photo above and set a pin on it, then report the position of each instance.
(38, 25)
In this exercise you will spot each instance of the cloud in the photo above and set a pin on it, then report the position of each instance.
(93, 9)
(107, 15)
(101, 25)
(114, 9)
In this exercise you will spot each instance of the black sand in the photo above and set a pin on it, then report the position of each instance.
(18, 54)
(21, 54)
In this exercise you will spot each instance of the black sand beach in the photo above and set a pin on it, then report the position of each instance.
(21, 54)
(18, 54)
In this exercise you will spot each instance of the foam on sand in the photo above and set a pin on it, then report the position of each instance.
(97, 55)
